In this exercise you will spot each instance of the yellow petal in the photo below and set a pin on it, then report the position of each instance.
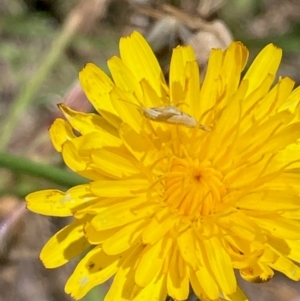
(123, 213)
(97, 205)
(78, 162)
(154, 291)
(201, 294)
(123, 286)
(193, 101)
(278, 97)
(208, 92)
(266, 62)
(279, 227)
(97, 86)
(66, 244)
(77, 153)
(220, 263)
(151, 261)
(260, 153)
(79, 195)
(281, 139)
(96, 237)
(231, 73)
(288, 248)
(290, 157)
(86, 123)
(185, 81)
(140, 59)
(86, 143)
(269, 200)
(95, 268)
(124, 238)
(177, 280)
(287, 267)
(178, 76)
(48, 202)
(187, 248)
(239, 225)
(254, 99)
(58, 203)
(151, 99)
(237, 296)
(221, 137)
(292, 101)
(113, 164)
(196, 286)
(208, 283)
(60, 132)
(160, 224)
(127, 109)
(280, 183)
(257, 273)
(124, 78)
(138, 145)
(150, 264)
(120, 188)
(238, 112)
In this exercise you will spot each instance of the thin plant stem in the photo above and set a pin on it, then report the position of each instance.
(29, 91)
(50, 173)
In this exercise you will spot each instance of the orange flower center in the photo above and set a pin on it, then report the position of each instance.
(193, 188)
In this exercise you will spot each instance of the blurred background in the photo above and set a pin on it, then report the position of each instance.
(43, 45)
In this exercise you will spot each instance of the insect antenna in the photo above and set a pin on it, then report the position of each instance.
(139, 107)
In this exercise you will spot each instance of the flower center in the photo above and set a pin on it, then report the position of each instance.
(193, 188)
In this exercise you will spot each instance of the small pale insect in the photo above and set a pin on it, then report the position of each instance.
(171, 114)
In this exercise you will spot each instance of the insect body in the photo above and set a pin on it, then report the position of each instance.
(171, 114)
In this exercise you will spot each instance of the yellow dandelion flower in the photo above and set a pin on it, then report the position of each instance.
(189, 182)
